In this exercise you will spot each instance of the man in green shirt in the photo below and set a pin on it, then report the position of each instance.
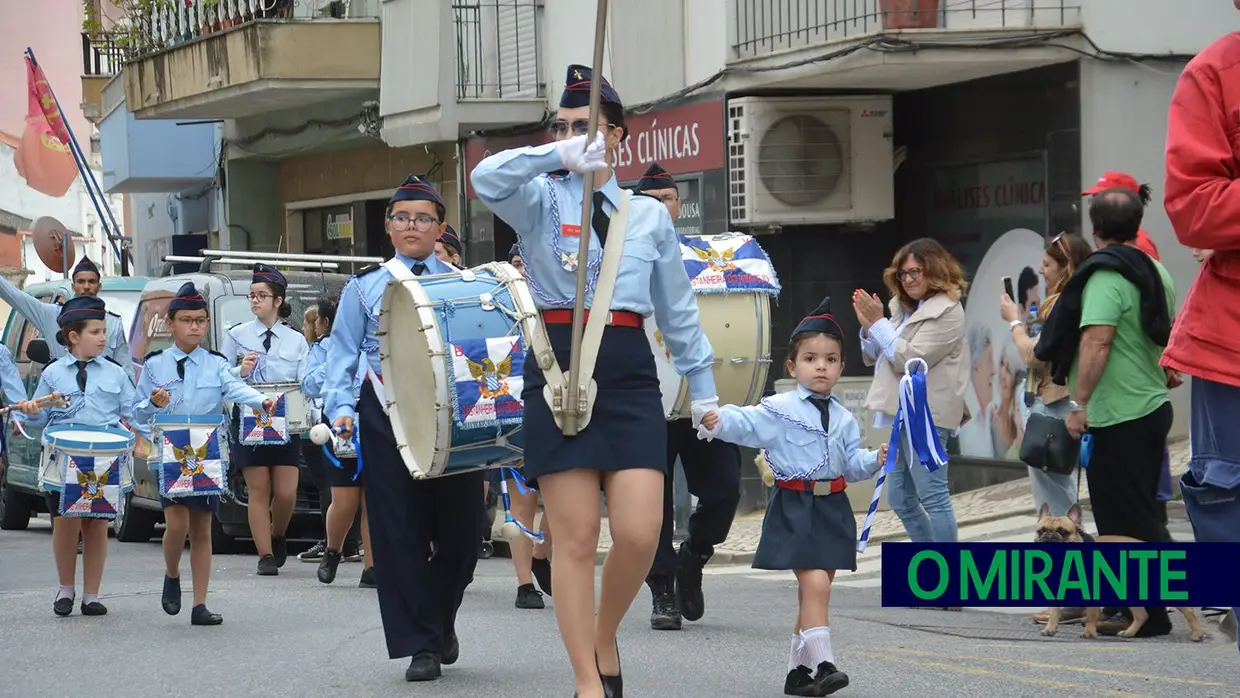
(1117, 387)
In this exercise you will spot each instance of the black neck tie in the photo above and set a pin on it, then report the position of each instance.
(419, 268)
(181, 367)
(267, 340)
(600, 221)
(81, 375)
(824, 407)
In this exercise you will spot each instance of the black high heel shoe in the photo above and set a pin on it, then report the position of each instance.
(613, 686)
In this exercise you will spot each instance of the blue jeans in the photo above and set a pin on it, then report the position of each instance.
(1211, 487)
(1057, 491)
(922, 499)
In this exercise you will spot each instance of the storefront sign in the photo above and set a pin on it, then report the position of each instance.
(340, 226)
(993, 218)
(684, 139)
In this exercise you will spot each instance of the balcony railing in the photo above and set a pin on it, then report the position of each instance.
(151, 26)
(497, 49)
(765, 26)
(101, 56)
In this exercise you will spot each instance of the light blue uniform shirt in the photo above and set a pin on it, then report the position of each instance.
(651, 279)
(10, 378)
(285, 362)
(208, 383)
(354, 334)
(789, 429)
(108, 398)
(312, 383)
(44, 316)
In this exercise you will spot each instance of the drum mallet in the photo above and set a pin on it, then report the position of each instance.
(574, 400)
(513, 528)
(53, 400)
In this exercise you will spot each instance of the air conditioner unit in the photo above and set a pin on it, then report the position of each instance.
(810, 160)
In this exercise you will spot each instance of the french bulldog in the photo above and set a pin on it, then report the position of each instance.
(1068, 529)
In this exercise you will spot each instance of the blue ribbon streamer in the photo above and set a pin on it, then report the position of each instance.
(923, 436)
(1087, 449)
(331, 457)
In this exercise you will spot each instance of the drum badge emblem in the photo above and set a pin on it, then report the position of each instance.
(568, 261)
(491, 378)
(92, 487)
(263, 419)
(718, 260)
(191, 459)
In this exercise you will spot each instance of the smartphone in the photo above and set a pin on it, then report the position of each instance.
(1009, 288)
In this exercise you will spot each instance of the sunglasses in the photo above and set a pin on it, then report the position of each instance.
(578, 127)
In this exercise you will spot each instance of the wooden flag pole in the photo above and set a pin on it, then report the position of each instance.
(575, 402)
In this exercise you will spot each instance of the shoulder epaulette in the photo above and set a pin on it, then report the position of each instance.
(113, 314)
(114, 361)
(216, 353)
(157, 352)
(652, 196)
(367, 269)
(239, 324)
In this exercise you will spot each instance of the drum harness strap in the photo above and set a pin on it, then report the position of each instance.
(555, 391)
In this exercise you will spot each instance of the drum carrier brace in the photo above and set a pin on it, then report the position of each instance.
(555, 392)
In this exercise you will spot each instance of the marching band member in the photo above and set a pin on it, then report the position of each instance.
(713, 474)
(14, 389)
(812, 443)
(270, 351)
(623, 448)
(448, 246)
(344, 483)
(187, 379)
(44, 316)
(418, 597)
(104, 393)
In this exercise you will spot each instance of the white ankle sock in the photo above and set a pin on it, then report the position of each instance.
(65, 592)
(89, 598)
(795, 651)
(817, 646)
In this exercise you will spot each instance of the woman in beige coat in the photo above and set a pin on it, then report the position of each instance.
(1059, 261)
(927, 322)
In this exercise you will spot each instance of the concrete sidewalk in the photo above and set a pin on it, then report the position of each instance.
(1002, 501)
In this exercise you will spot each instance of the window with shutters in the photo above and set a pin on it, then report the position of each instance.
(497, 49)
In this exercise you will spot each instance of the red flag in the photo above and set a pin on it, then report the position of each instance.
(43, 157)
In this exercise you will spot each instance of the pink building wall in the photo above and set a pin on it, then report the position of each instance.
(53, 28)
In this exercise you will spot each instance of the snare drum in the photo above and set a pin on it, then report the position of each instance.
(453, 356)
(289, 416)
(89, 466)
(190, 455)
(733, 281)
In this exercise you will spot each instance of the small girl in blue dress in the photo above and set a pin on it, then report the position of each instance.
(812, 443)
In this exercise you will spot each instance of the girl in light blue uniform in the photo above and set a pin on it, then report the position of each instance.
(812, 444)
(100, 394)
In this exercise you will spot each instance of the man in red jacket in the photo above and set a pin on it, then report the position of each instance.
(1203, 203)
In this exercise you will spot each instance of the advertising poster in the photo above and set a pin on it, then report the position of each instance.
(993, 217)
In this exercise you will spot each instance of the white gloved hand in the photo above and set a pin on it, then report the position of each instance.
(699, 409)
(580, 158)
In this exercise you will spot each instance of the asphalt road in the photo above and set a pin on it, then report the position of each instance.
(290, 635)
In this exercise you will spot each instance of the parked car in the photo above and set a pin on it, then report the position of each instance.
(20, 497)
(227, 296)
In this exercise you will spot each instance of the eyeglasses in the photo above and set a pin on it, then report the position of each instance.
(908, 274)
(260, 296)
(422, 223)
(193, 321)
(579, 127)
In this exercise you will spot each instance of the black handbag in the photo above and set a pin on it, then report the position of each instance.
(1048, 446)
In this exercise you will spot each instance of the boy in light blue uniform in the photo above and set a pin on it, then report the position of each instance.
(100, 394)
(186, 379)
(812, 443)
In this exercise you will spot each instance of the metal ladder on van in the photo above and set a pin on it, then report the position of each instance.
(209, 259)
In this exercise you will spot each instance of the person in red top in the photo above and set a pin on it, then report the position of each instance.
(1123, 180)
(1203, 203)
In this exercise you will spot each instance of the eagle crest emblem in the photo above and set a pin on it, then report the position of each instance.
(92, 484)
(190, 458)
(717, 260)
(491, 377)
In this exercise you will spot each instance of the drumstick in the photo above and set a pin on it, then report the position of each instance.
(572, 411)
(53, 400)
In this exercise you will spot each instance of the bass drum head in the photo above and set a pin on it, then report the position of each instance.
(738, 326)
(408, 342)
(669, 380)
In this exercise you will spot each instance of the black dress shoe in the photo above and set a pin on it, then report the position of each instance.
(327, 568)
(451, 650)
(828, 679)
(267, 566)
(63, 606)
(613, 686)
(368, 581)
(529, 598)
(800, 682)
(279, 548)
(201, 616)
(94, 608)
(542, 574)
(424, 667)
(689, 583)
(664, 614)
(171, 599)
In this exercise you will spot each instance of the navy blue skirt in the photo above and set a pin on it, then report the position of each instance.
(627, 428)
(803, 532)
(207, 503)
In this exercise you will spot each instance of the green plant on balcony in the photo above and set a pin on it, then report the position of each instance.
(137, 29)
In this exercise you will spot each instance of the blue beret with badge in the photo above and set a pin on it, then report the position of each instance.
(419, 188)
(577, 89)
(187, 298)
(86, 266)
(81, 308)
(264, 274)
(820, 320)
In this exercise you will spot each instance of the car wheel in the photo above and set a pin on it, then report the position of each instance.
(134, 524)
(14, 506)
(221, 542)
